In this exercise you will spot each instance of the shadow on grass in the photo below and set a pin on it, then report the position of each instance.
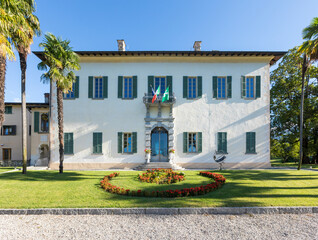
(50, 176)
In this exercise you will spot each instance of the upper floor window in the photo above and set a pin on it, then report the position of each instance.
(160, 81)
(192, 87)
(98, 87)
(70, 94)
(44, 122)
(251, 87)
(128, 87)
(9, 130)
(8, 109)
(222, 87)
(74, 92)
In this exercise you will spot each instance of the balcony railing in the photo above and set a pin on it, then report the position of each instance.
(147, 99)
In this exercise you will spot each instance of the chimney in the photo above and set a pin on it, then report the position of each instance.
(46, 97)
(197, 46)
(121, 45)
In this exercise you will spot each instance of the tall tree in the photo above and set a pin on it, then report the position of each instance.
(30, 28)
(11, 18)
(310, 53)
(59, 62)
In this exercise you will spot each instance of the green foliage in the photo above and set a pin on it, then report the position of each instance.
(285, 105)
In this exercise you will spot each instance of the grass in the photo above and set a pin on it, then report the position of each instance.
(5, 169)
(277, 162)
(80, 189)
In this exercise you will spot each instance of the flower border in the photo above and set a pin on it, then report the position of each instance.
(169, 176)
(186, 192)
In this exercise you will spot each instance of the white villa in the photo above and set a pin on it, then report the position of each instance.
(219, 101)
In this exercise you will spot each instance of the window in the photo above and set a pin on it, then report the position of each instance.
(68, 143)
(221, 87)
(98, 87)
(70, 94)
(9, 130)
(192, 142)
(8, 109)
(128, 87)
(127, 142)
(44, 122)
(160, 81)
(6, 153)
(222, 142)
(97, 142)
(192, 87)
(250, 85)
(250, 142)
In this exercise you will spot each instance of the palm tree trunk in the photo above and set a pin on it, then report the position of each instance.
(301, 124)
(23, 66)
(61, 128)
(3, 64)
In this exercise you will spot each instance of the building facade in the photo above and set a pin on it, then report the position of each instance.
(38, 134)
(218, 103)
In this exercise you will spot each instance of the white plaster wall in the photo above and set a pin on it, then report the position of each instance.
(236, 116)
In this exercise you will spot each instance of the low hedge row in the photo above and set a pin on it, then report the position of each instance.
(185, 192)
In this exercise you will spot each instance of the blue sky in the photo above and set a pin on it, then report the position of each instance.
(273, 25)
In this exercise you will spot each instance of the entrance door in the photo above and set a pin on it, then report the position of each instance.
(159, 145)
(6, 154)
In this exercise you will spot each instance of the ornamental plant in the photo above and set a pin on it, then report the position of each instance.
(185, 192)
(147, 150)
(172, 151)
(161, 176)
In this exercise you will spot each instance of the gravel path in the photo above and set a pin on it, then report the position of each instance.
(282, 226)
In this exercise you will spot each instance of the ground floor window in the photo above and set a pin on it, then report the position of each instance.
(68, 143)
(9, 130)
(6, 153)
(250, 142)
(192, 142)
(127, 142)
(222, 142)
(97, 142)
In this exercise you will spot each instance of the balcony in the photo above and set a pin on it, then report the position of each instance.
(147, 99)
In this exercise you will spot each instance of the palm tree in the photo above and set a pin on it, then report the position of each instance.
(61, 61)
(29, 27)
(11, 18)
(309, 49)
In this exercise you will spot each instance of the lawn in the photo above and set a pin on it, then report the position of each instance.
(277, 162)
(80, 189)
(5, 169)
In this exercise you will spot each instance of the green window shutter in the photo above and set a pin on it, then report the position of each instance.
(105, 87)
(14, 130)
(215, 86)
(169, 84)
(222, 142)
(243, 87)
(120, 86)
(229, 86)
(219, 141)
(199, 142)
(36, 121)
(258, 86)
(97, 142)
(199, 86)
(150, 85)
(68, 143)
(134, 142)
(120, 142)
(76, 90)
(135, 86)
(185, 86)
(185, 142)
(250, 142)
(90, 87)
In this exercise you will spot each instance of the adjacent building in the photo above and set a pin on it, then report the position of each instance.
(219, 103)
(38, 134)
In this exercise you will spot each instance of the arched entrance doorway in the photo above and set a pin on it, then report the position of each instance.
(159, 145)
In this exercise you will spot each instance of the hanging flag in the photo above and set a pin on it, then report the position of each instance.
(156, 94)
(165, 96)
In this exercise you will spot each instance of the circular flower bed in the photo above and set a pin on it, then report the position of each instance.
(185, 192)
(161, 176)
